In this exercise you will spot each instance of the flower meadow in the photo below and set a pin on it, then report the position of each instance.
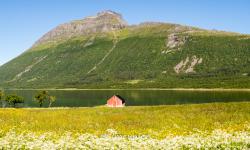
(218, 139)
(196, 126)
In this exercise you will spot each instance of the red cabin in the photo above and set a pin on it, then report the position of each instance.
(116, 101)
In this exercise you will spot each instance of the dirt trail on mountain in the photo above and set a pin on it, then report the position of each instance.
(27, 69)
(115, 41)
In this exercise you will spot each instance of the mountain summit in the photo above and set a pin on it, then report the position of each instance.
(102, 51)
(104, 21)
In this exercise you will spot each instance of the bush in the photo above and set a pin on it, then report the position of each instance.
(42, 96)
(14, 99)
(1, 95)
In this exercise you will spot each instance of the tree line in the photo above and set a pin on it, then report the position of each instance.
(40, 98)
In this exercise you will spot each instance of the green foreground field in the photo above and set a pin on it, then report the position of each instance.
(156, 121)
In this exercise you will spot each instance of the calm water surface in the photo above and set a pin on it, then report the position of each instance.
(89, 98)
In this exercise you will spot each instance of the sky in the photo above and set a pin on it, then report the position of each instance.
(22, 22)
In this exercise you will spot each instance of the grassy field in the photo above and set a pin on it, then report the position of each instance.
(156, 121)
(196, 126)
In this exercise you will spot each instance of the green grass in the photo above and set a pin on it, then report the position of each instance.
(157, 121)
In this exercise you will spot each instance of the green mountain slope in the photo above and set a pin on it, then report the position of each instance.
(110, 54)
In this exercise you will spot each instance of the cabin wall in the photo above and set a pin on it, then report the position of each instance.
(115, 102)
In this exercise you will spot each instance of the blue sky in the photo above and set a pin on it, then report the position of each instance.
(22, 22)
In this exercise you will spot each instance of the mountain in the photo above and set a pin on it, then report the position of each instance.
(103, 51)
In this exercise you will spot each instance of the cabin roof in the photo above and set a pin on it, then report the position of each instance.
(123, 100)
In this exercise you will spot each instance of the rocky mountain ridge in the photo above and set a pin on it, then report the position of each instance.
(104, 21)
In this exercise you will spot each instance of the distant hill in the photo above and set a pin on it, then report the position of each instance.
(103, 51)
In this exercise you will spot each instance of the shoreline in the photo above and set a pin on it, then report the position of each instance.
(141, 89)
(129, 106)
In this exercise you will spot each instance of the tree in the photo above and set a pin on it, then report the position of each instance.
(41, 97)
(1, 95)
(52, 99)
(14, 99)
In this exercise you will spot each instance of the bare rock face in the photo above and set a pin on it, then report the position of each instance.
(174, 43)
(103, 22)
(188, 65)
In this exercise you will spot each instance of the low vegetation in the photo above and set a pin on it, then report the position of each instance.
(217, 125)
(14, 99)
(1, 95)
(218, 139)
(40, 98)
(11, 99)
(139, 55)
(157, 121)
(43, 96)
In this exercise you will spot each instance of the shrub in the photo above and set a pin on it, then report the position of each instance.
(1, 95)
(42, 96)
(14, 99)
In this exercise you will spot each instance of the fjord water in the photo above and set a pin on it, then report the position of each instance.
(90, 98)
